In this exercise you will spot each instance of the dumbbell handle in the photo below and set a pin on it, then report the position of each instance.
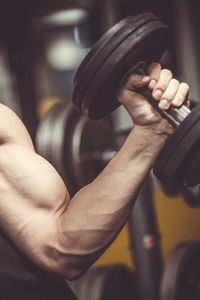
(174, 115)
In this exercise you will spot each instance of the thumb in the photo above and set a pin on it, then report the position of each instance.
(135, 81)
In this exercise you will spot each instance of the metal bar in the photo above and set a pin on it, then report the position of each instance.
(186, 44)
(145, 244)
(175, 116)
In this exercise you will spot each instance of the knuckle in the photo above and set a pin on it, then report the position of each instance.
(133, 78)
(168, 95)
(161, 85)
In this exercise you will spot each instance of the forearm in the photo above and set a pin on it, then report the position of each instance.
(99, 210)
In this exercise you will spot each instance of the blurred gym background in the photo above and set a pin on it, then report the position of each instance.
(42, 44)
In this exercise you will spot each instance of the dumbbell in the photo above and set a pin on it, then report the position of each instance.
(78, 147)
(115, 281)
(134, 42)
(181, 277)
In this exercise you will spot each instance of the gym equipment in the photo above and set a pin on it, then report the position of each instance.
(112, 57)
(192, 195)
(106, 283)
(145, 243)
(79, 148)
(181, 278)
(123, 49)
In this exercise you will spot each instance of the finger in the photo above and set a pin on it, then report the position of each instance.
(135, 81)
(153, 70)
(181, 94)
(162, 84)
(169, 94)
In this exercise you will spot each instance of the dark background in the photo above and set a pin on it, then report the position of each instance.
(24, 44)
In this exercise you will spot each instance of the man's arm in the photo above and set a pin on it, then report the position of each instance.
(67, 235)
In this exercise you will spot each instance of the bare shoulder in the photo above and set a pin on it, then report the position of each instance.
(19, 161)
(7, 111)
(12, 129)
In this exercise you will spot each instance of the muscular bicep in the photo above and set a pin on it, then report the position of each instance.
(31, 195)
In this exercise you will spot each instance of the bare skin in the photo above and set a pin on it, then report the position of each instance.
(66, 235)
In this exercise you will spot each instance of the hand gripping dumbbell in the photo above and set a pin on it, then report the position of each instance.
(135, 41)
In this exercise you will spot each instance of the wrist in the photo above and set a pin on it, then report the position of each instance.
(150, 139)
(158, 128)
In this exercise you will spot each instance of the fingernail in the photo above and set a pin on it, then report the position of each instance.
(157, 94)
(175, 101)
(145, 79)
(152, 84)
(164, 104)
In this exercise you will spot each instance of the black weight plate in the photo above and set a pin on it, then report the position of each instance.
(174, 140)
(64, 119)
(142, 44)
(85, 148)
(50, 137)
(192, 177)
(74, 144)
(105, 38)
(191, 195)
(174, 173)
(96, 47)
(44, 132)
(181, 278)
(114, 282)
(100, 43)
(103, 49)
(170, 165)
